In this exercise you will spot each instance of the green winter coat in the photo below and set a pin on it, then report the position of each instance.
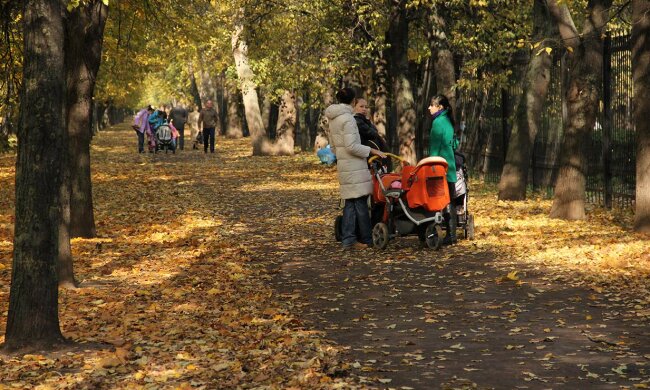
(441, 141)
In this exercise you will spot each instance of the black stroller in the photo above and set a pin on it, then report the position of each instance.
(465, 219)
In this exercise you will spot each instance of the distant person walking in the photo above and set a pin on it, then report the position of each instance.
(208, 121)
(178, 117)
(141, 126)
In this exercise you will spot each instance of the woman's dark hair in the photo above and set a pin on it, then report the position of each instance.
(345, 95)
(444, 102)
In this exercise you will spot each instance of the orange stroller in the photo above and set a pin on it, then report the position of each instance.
(413, 202)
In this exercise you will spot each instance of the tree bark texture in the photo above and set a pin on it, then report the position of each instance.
(641, 77)
(83, 47)
(286, 124)
(380, 75)
(194, 88)
(514, 177)
(582, 96)
(323, 130)
(235, 128)
(33, 320)
(444, 64)
(402, 91)
(249, 89)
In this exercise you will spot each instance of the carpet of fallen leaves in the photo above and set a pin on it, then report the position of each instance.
(208, 271)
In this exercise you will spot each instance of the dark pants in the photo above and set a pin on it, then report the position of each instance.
(208, 135)
(140, 141)
(355, 213)
(181, 136)
(451, 219)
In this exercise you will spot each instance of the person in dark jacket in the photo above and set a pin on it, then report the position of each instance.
(178, 117)
(369, 134)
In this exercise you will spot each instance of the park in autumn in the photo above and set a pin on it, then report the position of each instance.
(172, 177)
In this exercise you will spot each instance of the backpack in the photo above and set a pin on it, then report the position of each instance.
(164, 133)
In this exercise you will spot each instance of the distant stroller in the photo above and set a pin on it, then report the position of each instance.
(165, 138)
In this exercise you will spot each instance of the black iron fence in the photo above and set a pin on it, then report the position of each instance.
(486, 121)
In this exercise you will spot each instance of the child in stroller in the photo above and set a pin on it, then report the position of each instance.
(165, 132)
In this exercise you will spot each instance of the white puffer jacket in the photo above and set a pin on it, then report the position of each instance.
(354, 176)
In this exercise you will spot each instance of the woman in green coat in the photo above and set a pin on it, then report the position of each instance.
(441, 143)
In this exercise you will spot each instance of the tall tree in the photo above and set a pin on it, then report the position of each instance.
(514, 177)
(402, 96)
(641, 77)
(33, 320)
(84, 37)
(585, 79)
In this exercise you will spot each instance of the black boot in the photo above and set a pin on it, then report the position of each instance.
(451, 221)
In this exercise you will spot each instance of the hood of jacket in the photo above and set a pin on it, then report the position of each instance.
(336, 110)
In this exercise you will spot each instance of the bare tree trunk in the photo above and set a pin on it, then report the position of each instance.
(194, 89)
(641, 76)
(235, 128)
(582, 96)
(402, 91)
(381, 93)
(248, 88)
(33, 320)
(514, 177)
(444, 64)
(322, 132)
(84, 38)
(286, 125)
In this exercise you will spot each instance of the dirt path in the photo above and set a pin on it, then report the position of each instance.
(415, 318)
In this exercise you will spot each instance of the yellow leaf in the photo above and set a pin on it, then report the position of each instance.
(512, 275)
(569, 49)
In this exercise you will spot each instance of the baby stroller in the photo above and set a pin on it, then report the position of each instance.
(465, 219)
(165, 139)
(411, 202)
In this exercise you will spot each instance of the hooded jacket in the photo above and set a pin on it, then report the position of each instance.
(354, 177)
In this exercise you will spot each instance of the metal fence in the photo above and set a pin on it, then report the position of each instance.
(487, 115)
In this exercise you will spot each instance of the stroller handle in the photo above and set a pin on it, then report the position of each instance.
(396, 157)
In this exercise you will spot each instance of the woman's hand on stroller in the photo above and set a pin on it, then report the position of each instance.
(377, 153)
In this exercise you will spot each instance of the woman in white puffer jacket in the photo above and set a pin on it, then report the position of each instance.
(352, 167)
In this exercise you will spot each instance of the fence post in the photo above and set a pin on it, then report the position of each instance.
(607, 125)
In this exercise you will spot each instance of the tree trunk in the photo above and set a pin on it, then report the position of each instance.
(381, 93)
(84, 38)
(641, 76)
(248, 88)
(194, 89)
(323, 130)
(33, 320)
(444, 65)
(402, 91)
(582, 96)
(286, 124)
(514, 177)
(235, 128)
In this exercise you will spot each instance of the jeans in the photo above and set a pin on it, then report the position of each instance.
(181, 136)
(140, 141)
(355, 213)
(208, 135)
(451, 219)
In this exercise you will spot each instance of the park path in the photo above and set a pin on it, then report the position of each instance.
(221, 271)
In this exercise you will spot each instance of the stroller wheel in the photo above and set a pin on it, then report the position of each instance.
(338, 234)
(380, 235)
(469, 227)
(433, 236)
